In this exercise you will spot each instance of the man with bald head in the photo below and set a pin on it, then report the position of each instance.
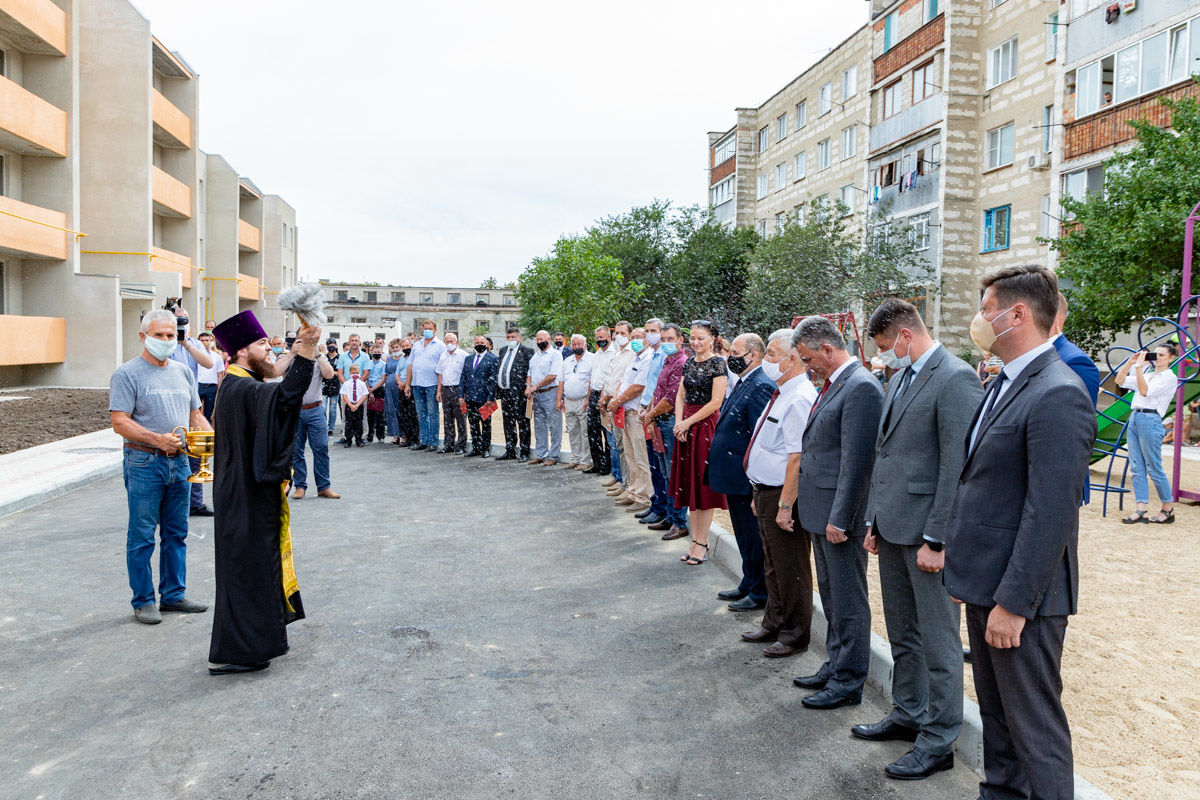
(576, 386)
(542, 385)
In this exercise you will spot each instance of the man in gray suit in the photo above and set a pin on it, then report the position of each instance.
(927, 412)
(1013, 534)
(835, 474)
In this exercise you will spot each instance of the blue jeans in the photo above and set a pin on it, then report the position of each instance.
(614, 454)
(666, 424)
(331, 406)
(312, 430)
(427, 413)
(156, 488)
(1145, 456)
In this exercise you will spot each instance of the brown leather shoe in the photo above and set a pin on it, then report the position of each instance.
(760, 636)
(329, 494)
(623, 501)
(780, 650)
(534, 461)
(549, 462)
(638, 508)
(660, 526)
(676, 532)
(609, 481)
(298, 493)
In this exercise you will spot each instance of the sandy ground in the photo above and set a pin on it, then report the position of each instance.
(49, 415)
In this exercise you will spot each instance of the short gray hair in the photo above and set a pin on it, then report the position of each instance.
(784, 336)
(814, 331)
(575, 336)
(157, 315)
(655, 320)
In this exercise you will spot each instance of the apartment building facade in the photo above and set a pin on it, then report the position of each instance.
(391, 311)
(105, 201)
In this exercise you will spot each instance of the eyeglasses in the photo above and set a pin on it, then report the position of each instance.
(707, 323)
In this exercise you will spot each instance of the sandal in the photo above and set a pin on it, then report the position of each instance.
(692, 561)
(688, 553)
(1137, 516)
(1167, 517)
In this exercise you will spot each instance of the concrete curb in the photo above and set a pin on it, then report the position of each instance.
(879, 675)
(37, 474)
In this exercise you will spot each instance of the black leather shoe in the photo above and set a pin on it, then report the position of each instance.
(507, 457)
(644, 514)
(729, 595)
(967, 655)
(653, 519)
(590, 471)
(746, 604)
(885, 731)
(237, 669)
(817, 681)
(828, 698)
(916, 764)
(485, 454)
(200, 511)
(473, 454)
(521, 459)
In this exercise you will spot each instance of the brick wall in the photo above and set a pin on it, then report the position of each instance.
(920, 42)
(1111, 127)
(723, 170)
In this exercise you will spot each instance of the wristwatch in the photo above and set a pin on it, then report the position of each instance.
(782, 507)
(935, 546)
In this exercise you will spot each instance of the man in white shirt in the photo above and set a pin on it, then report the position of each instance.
(625, 405)
(622, 357)
(542, 384)
(773, 454)
(576, 386)
(209, 377)
(597, 437)
(449, 374)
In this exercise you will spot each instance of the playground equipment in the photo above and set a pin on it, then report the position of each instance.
(844, 321)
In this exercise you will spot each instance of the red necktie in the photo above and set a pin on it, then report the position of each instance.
(818, 401)
(761, 422)
(354, 391)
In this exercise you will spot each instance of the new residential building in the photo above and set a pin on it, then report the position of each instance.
(107, 205)
(390, 311)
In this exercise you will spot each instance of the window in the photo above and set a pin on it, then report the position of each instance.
(846, 196)
(929, 158)
(1087, 89)
(1000, 146)
(918, 232)
(358, 320)
(1178, 56)
(483, 325)
(2, 67)
(930, 10)
(1154, 62)
(453, 298)
(762, 186)
(1143, 67)
(780, 176)
(801, 114)
(1, 176)
(825, 100)
(1195, 46)
(780, 220)
(823, 154)
(2, 279)
(1048, 129)
(923, 83)
(340, 296)
(781, 128)
(799, 166)
(821, 204)
(397, 297)
(1052, 36)
(1045, 221)
(482, 299)
(508, 300)
(284, 234)
(426, 298)
(1002, 63)
(994, 3)
(849, 142)
(1128, 74)
(891, 99)
(995, 229)
(722, 192)
(370, 297)
(1084, 182)
(328, 319)
(724, 150)
(849, 82)
(762, 228)
(764, 140)
(800, 214)
(890, 29)
(450, 326)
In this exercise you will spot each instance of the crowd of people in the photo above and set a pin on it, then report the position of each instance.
(965, 483)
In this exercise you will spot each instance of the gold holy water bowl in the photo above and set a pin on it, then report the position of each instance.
(198, 444)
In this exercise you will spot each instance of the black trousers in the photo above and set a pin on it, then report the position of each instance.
(516, 424)
(208, 396)
(377, 420)
(481, 429)
(354, 423)
(749, 542)
(1026, 740)
(597, 438)
(410, 428)
(454, 431)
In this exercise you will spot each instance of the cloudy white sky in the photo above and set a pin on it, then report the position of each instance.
(442, 143)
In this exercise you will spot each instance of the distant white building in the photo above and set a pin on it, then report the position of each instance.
(372, 310)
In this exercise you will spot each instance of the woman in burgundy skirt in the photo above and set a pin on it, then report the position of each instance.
(696, 405)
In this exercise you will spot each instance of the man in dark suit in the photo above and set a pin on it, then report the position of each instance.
(927, 411)
(477, 388)
(1080, 364)
(511, 372)
(739, 414)
(831, 499)
(1013, 534)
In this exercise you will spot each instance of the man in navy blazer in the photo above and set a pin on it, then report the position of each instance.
(477, 388)
(1080, 363)
(731, 439)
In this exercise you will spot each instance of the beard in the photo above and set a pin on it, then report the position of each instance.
(260, 365)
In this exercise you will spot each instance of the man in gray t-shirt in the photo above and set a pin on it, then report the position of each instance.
(148, 397)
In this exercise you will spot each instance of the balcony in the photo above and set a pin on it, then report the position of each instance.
(899, 126)
(32, 232)
(926, 38)
(28, 124)
(172, 197)
(34, 26)
(43, 340)
(249, 237)
(167, 261)
(248, 288)
(172, 127)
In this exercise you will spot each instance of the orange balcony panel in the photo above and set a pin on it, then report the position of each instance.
(32, 232)
(172, 127)
(28, 124)
(166, 261)
(43, 340)
(249, 237)
(248, 287)
(172, 197)
(34, 26)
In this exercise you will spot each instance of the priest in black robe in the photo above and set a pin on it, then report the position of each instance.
(255, 433)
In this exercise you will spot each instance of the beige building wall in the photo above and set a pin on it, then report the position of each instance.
(370, 309)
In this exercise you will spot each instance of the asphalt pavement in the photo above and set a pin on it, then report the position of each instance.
(475, 630)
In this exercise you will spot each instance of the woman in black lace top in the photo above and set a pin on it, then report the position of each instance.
(701, 392)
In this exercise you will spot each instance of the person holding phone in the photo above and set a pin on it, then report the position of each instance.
(1153, 384)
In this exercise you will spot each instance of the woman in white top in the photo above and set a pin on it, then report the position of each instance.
(1153, 389)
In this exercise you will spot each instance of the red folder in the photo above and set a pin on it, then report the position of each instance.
(619, 418)
(487, 409)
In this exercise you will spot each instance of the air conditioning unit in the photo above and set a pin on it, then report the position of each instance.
(1039, 161)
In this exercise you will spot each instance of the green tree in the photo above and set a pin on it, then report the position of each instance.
(1121, 250)
(707, 271)
(640, 240)
(575, 288)
(490, 283)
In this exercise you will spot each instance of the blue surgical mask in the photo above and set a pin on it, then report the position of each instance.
(276, 350)
(160, 348)
(668, 348)
(427, 334)
(636, 345)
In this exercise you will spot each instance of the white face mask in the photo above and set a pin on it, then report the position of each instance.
(161, 348)
(514, 342)
(772, 371)
(451, 347)
(621, 340)
(893, 361)
(397, 354)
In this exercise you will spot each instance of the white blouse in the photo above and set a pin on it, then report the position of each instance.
(1160, 388)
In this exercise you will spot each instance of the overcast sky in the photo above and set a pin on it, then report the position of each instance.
(442, 143)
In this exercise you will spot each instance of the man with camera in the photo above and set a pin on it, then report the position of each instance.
(150, 396)
(192, 353)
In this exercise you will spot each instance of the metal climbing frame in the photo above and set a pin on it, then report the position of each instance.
(844, 320)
